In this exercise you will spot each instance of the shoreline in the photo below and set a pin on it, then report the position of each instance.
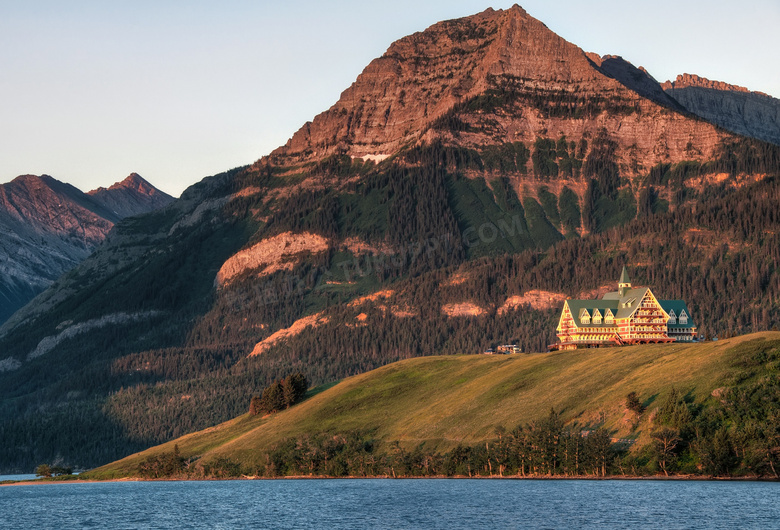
(674, 478)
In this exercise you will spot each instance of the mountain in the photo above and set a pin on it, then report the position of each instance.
(47, 227)
(501, 76)
(420, 416)
(470, 180)
(732, 107)
(132, 196)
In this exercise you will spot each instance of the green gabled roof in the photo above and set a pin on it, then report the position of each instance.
(634, 296)
(624, 276)
(628, 294)
(576, 307)
(612, 301)
(617, 304)
(678, 306)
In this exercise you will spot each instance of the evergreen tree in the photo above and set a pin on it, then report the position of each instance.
(294, 388)
(665, 442)
(255, 406)
(43, 470)
(634, 404)
(272, 399)
(598, 448)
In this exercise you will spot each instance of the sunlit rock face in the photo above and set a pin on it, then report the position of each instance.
(505, 77)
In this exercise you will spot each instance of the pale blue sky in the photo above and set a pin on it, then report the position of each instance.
(91, 91)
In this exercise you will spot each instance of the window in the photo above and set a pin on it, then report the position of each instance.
(672, 317)
(585, 316)
(683, 317)
(596, 316)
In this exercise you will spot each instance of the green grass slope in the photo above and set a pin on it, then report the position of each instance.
(444, 401)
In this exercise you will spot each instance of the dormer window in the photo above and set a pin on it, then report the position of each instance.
(683, 317)
(585, 316)
(596, 316)
(609, 318)
(672, 317)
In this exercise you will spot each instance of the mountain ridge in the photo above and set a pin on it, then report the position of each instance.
(692, 80)
(424, 77)
(733, 107)
(49, 226)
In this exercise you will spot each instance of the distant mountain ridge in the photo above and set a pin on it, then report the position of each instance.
(47, 227)
(732, 107)
(132, 196)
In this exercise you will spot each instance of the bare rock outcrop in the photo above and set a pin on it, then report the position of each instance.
(311, 321)
(463, 309)
(280, 252)
(535, 299)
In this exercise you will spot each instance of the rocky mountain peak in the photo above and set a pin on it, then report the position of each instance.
(424, 75)
(30, 180)
(131, 196)
(693, 80)
(531, 81)
(33, 184)
(134, 182)
(40, 201)
(733, 107)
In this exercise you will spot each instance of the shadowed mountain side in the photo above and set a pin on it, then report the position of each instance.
(47, 227)
(636, 79)
(732, 107)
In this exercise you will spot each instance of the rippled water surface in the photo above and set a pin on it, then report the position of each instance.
(393, 504)
(18, 477)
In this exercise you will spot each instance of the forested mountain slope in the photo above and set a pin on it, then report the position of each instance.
(470, 180)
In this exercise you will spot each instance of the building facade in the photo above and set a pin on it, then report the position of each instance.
(626, 316)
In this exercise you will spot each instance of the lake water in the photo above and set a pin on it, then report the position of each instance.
(424, 503)
(18, 477)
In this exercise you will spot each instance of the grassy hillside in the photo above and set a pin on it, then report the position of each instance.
(446, 401)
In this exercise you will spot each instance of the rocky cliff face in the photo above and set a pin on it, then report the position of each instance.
(47, 227)
(732, 107)
(508, 78)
